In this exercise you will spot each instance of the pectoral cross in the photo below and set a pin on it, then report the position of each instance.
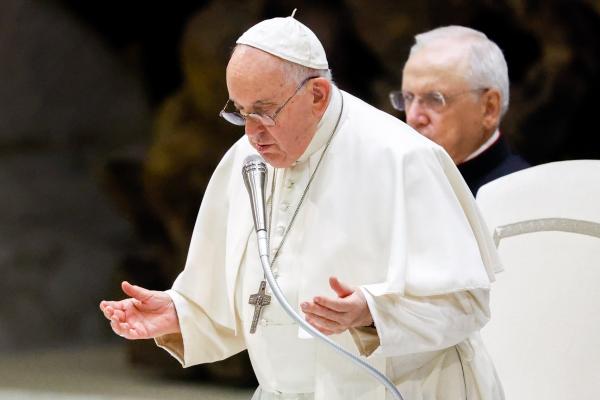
(258, 300)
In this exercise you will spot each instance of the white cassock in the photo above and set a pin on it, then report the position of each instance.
(387, 211)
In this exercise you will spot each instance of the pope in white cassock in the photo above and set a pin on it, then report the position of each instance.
(374, 237)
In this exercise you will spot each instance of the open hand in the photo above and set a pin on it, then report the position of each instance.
(335, 315)
(147, 314)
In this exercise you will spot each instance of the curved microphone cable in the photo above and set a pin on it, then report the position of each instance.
(254, 172)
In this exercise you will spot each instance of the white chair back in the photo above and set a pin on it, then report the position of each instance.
(544, 335)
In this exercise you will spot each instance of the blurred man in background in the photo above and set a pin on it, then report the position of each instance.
(455, 91)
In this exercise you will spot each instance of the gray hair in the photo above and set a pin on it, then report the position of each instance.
(297, 73)
(486, 64)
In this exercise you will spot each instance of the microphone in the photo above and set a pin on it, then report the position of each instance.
(254, 173)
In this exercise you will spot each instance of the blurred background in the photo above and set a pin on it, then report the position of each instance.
(109, 132)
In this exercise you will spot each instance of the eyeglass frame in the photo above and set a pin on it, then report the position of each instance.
(261, 118)
(393, 96)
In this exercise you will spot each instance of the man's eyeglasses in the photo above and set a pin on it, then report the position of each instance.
(435, 101)
(239, 118)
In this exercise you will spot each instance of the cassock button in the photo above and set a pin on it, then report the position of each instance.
(284, 206)
(280, 229)
(289, 183)
(263, 322)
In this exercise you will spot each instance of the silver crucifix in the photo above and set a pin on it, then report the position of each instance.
(258, 300)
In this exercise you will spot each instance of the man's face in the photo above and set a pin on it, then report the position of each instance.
(458, 126)
(256, 84)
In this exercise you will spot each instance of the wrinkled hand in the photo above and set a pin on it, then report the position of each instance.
(147, 314)
(335, 315)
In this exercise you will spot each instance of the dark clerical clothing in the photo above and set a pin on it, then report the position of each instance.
(493, 163)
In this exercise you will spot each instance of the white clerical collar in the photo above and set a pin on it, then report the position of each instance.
(484, 146)
(326, 124)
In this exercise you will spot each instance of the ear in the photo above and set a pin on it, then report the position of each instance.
(321, 89)
(491, 108)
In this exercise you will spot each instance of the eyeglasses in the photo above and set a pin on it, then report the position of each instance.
(435, 101)
(239, 118)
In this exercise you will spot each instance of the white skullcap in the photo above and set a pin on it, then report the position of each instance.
(289, 39)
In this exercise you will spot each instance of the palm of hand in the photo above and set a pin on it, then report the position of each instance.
(147, 314)
(335, 315)
(147, 318)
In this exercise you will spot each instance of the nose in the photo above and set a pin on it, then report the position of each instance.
(253, 128)
(416, 115)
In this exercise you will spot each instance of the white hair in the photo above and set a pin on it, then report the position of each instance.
(486, 64)
(297, 73)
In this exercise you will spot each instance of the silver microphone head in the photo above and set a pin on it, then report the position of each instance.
(254, 172)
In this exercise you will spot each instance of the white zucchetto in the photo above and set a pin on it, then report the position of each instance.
(289, 39)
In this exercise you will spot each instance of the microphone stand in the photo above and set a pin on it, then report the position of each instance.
(255, 164)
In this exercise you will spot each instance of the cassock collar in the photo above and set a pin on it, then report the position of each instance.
(325, 126)
(488, 143)
(486, 161)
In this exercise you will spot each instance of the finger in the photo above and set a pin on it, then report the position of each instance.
(323, 322)
(339, 305)
(137, 292)
(326, 332)
(133, 334)
(341, 289)
(119, 328)
(320, 328)
(125, 330)
(114, 319)
(138, 331)
(119, 315)
(110, 307)
(103, 305)
(321, 311)
(108, 312)
(115, 305)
